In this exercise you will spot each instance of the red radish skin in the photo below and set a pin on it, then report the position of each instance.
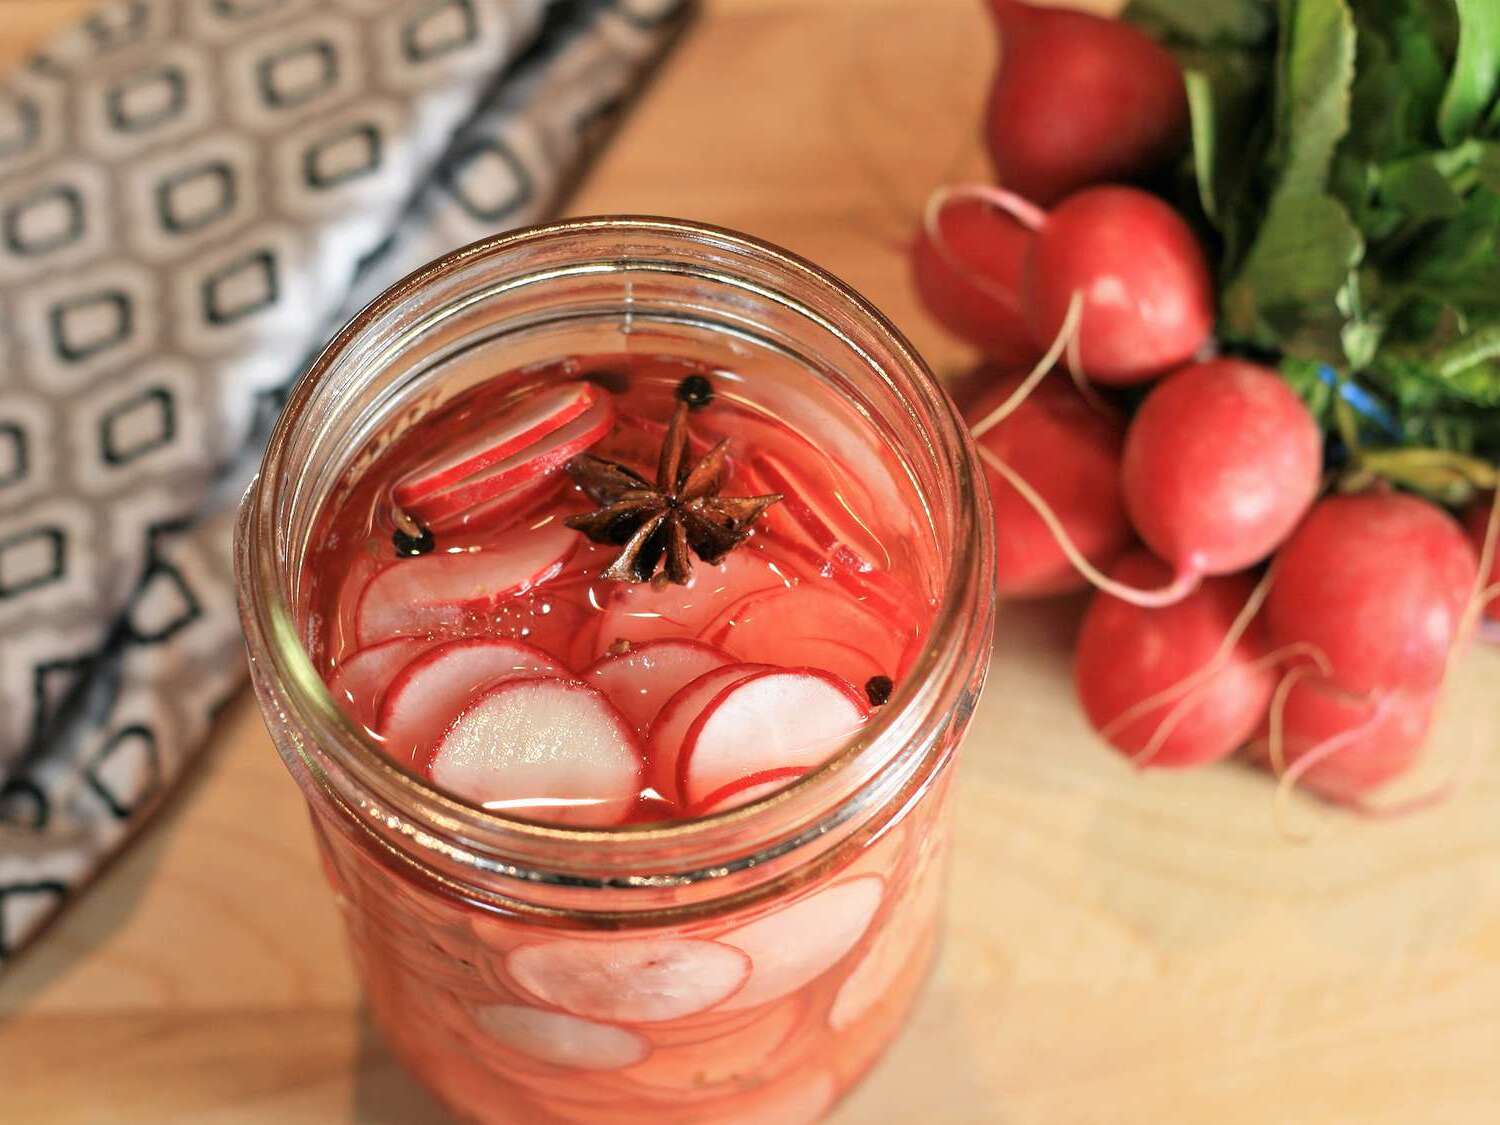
(639, 681)
(524, 425)
(545, 748)
(747, 790)
(1070, 452)
(1221, 462)
(361, 678)
(1477, 519)
(768, 720)
(630, 980)
(1127, 654)
(1380, 737)
(966, 263)
(1378, 583)
(1147, 296)
(525, 466)
(1079, 100)
(443, 591)
(438, 683)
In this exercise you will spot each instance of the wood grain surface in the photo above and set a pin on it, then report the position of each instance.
(1121, 948)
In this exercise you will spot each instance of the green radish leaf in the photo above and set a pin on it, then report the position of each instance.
(1222, 88)
(1475, 79)
(1459, 264)
(1206, 22)
(1314, 92)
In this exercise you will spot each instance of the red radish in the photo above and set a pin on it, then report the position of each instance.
(747, 790)
(522, 467)
(561, 1039)
(676, 717)
(1080, 100)
(1221, 461)
(522, 426)
(1477, 520)
(817, 515)
(639, 680)
(1126, 655)
(361, 678)
(811, 627)
(543, 747)
(434, 687)
(442, 591)
(494, 515)
(768, 720)
(798, 942)
(1362, 743)
(1137, 274)
(966, 263)
(1070, 452)
(643, 612)
(1377, 582)
(630, 980)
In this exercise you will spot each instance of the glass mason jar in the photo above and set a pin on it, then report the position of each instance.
(823, 899)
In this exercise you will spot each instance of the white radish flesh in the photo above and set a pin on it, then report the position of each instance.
(797, 943)
(545, 748)
(630, 980)
(664, 742)
(424, 697)
(767, 721)
(561, 1039)
(639, 681)
(360, 680)
(441, 591)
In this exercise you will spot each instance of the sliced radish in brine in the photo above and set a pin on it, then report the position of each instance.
(890, 955)
(769, 720)
(429, 691)
(545, 748)
(820, 512)
(441, 591)
(677, 715)
(561, 1039)
(359, 681)
(535, 460)
(524, 424)
(494, 515)
(795, 944)
(641, 612)
(811, 626)
(640, 680)
(747, 790)
(735, 1055)
(630, 980)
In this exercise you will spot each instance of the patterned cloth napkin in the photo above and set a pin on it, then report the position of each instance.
(193, 195)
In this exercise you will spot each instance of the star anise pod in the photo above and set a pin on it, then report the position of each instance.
(660, 526)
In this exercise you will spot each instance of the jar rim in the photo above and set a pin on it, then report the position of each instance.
(274, 637)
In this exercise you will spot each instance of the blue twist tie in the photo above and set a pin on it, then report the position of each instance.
(1366, 405)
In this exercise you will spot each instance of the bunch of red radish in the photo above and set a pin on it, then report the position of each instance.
(1315, 631)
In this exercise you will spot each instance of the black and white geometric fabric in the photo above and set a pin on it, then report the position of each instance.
(193, 195)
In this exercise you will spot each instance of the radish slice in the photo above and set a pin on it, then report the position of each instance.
(441, 591)
(494, 515)
(642, 612)
(812, 627)
(735, 1056)
(630, 980)
(561, 1039)
(521, 467)
(819, 513)
(525, 424)
(548, 748)
(747, 790)
(670, 728)
(889, 956)
(438, 684)
(796, 944)
(639, 681)
(360, 680)
(769, 720)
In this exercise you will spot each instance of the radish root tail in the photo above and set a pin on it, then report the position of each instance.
(1315, 756)
(1065, 335)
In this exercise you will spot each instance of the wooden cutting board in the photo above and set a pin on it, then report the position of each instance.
(1121, 948)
